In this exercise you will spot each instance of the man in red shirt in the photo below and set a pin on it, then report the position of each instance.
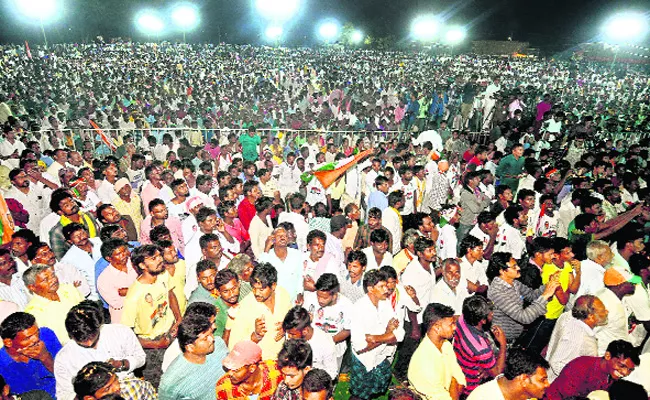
(247, 206)
(586, 374)
(476, 162)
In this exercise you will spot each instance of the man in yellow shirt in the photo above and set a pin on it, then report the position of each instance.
(434, 370)
(51, 301)
(151, 308)
(175, 267)
(568, 269)
(259, 317)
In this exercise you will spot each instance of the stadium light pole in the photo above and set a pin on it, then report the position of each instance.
(186, 17)
(150, 24)
(357, 37)
(424, 28)
(43, 10)
(328, 31)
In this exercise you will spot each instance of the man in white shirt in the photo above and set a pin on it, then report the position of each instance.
(32, 197)
(334, 243)
(472, 266)
(408, 186)
(510, 238)
(286, 261)
(599, 256)
(297, 325)
(449, 290)
(11, 149)
(618, 285)
(378, 254)
(375, 332)
(92, 340)
(573, 335)
(106, 189)
(391, 218)
(296, 203)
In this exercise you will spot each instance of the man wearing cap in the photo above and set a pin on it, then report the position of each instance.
(128, 203)
(247, 375)
(619, 284)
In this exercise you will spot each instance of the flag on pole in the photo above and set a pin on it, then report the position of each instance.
(328, 173)
(29, 52)
(105, 139)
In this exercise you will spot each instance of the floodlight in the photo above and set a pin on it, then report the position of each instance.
(328, 30)
(626, 27)
(277, 10)
(455, 36)
(185, 16)
(357, 37)
(425, 27)
(41, 10)
(150, 23)
(273, 32)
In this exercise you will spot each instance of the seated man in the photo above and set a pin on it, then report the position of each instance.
(434, 370)
(524, 377)
(27, 358)
(297, 325)
(195, 374)
(92, 340)
(586, 374)
(50, 302)
(247, 375)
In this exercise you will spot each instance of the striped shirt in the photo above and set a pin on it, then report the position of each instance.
(474, 353)
(509, 311)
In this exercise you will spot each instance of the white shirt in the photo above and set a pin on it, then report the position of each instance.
(7, 149)
(34, 202)
(106, 192)
(391, 221)
(489, 390)
(47, 224)
(510, 240)
(480, 235)
(372, 261)
(316, 193)
(616, 327)
(300, 225)
(70, 274)
(447, 242)
(591, 278)
(423, 282)
(430, 136)
(85, 263)
(571, 338)
(370, 320)
(443, 294)
(289, 271)
(409, 194)
(115, 341)
(259, 232)
(334, 246)
(331, 319)
(16, 292)
(324, 353)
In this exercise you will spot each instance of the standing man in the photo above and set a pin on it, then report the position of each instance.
(32, 197)
(511, 167)
(391, 219)
(376, 330)
(64, 204)
(249, 143)
(151, 308)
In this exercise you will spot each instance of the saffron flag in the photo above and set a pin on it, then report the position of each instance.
(328, 173)
(29, 52)
(105, 139)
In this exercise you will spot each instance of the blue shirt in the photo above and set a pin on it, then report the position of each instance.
(23, 377)
(378, 199)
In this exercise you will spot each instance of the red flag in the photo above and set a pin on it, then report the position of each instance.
(107, 141)
(29, 52)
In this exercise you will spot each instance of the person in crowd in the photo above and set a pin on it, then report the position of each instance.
(63, 204)
(524, 377)
(91, 340)
(114, 281)
(97, 380)
(586, 374)
(285, 260)
(317, 385)
(295, 359)
(434, 370)
(28, 354)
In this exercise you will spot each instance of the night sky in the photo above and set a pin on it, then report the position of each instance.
(551, 25)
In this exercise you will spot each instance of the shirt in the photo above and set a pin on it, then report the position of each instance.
(185, 380)
(443, 294)
(259, 232)
(115, 341)
(300, 225)
(175, 229)
(447, 242)
(579, 378)
(510, 240)
(324, 353)
(554, 307)
(108, 284)
(422, 281)
(509, 311)
(378, 199)
(617, 321)
(489, 390)
(249, 310)
(289, 271)
(387, 259)
(431, 370)
(271, 379)
(85, 263)
(32, 375)
(474, 353)
(51, 314)
(16, 292)
(370, 320)
(332, 319)
(246, 212)
(571, 338)
(249, 146)
(106, 192)
(392, 221)
(147, 309)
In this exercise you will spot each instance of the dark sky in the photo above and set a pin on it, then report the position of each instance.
(552, 24)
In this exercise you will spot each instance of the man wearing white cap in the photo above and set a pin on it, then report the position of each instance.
(127, 202)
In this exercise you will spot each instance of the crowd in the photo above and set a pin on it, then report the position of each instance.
(164, 235)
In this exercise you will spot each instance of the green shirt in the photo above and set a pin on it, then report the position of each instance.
(249, 146)
(508, 170)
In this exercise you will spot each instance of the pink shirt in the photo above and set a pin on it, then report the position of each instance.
(238, 231)
(108, 284)
(175, 228)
